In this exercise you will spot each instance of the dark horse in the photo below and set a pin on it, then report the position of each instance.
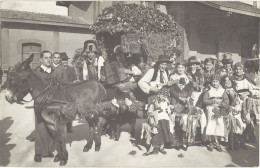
(22, 80)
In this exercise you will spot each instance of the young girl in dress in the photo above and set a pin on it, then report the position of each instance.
(238, 126)
(180, 73)
(216, 102)
(245, 88)
(181, 99)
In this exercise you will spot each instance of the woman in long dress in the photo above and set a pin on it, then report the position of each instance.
(245, 89)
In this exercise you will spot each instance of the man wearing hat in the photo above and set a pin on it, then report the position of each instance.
(195, 76)
(155, 78)
(227, 64)
(68, 75)
(90, 63)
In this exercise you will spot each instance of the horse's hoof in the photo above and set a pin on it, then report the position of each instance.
(97, 148)
(86, 149)
(56, 159)
(63, 162)
(37, 158)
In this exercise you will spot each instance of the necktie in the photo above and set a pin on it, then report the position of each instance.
(161, 77)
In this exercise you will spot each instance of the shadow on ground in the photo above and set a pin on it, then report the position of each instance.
(5, 148)
(249, 157)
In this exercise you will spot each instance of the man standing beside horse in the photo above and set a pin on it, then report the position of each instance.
(44, 144)
(68, 75)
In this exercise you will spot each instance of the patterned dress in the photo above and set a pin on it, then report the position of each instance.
(215, 125)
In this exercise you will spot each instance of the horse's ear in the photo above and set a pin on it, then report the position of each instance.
(26, 64)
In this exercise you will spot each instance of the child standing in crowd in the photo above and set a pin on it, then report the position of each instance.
(181, 98)
(216, 102)
(238, 126)
(180, 73)
(208, 71)
(160, 121)
(195, 76)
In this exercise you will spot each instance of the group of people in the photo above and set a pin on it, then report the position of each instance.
(224, 94)
(173, 95)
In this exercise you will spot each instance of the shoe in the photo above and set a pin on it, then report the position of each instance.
(146, 154)
(184, 147)
(155, 151)
(37, 158)
(169, 146)
(210, 147)
(50, 155)
(163, 151)
(243, 145)
(177, 148)
(219, 149)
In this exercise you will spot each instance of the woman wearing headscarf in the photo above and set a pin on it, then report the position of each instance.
(246, 89)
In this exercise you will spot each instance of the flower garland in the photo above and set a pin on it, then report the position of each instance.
(69, 110)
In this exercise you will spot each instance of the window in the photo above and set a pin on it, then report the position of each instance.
(31, 48)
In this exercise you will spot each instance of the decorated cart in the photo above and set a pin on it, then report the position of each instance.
(127, 30)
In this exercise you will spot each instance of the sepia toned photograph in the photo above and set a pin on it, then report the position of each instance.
(129, 83)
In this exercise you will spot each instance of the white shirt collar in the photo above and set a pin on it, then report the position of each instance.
(46, 69)
(55, 65)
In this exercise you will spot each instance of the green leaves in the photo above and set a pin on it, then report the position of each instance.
(136, 15)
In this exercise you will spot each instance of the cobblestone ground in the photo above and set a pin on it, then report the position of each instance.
(16, 149)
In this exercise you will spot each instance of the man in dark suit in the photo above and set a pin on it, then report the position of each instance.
(57, 66)
(68, 75)
(44, 144)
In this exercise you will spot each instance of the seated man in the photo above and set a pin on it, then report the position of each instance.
(129, 84)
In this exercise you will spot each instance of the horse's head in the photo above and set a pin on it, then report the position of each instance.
(17, 81)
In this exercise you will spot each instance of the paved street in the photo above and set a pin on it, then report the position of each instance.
(16, 149)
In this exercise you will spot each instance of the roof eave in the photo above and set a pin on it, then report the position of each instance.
(10, 20)
(230, 9)
(63, 3)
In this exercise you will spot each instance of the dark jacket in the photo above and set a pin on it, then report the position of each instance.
(69, 74)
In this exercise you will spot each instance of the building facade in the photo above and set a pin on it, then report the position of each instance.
(26, 33)
(209, 28)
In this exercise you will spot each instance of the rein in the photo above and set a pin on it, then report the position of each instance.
(48, 92)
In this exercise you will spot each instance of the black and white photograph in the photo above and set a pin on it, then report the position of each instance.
(129, 83)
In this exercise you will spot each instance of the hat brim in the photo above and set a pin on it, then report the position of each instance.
(163, 61)
(191, 63)
(227, 61)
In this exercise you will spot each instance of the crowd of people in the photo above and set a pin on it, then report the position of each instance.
(225, 95)
(216, 102)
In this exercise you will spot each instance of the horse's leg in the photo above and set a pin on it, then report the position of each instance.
(89, 144)
(117, 130)
(97, 133)
(132, 125)
(57, 127)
